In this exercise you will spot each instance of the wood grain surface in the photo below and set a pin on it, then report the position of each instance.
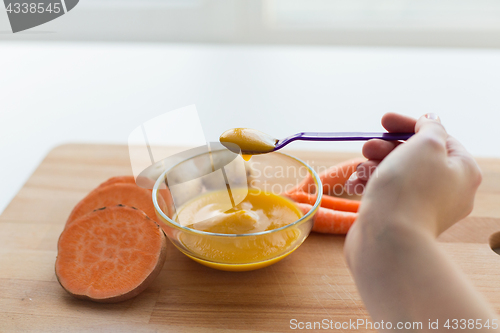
(310, 285)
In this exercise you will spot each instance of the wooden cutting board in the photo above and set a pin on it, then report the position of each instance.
(312, 284)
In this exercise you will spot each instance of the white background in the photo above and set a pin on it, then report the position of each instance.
(53, 93)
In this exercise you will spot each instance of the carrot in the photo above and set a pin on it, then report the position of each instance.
(333, 179)
(118, 180)
(110, 255)
(115, 194)
(329, 221)
(327, 201)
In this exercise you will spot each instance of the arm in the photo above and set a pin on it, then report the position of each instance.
(419, 189)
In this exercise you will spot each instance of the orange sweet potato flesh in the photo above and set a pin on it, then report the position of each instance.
(110, 255)
(166, 202)
(115, 194)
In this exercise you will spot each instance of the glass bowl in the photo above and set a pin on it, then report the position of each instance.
(273, 173)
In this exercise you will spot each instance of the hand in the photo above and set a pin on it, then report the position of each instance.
(415, 190)
(431, 177)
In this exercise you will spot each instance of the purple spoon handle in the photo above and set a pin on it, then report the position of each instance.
(341, 136)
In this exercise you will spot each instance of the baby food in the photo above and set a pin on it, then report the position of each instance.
(259, 211)
(249, 141)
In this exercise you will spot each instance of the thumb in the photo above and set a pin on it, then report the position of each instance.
(429, 129)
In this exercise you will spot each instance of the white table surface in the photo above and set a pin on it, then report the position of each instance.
(55, 93)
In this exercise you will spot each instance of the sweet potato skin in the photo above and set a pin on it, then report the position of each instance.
(114, 194)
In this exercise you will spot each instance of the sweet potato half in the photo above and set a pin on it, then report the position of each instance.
(110, 255)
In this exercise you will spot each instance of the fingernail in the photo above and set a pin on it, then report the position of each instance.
(432, 116)
(348, 187)
(354, 176)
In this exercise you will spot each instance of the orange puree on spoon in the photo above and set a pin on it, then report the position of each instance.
(249, 141)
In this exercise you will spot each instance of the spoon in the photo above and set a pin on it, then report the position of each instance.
(252, 142)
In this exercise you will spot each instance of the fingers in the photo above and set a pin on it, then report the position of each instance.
(366, 169)
(357, 182)
(393, 122)
(377, 149)
(398, 123)
(355, 185)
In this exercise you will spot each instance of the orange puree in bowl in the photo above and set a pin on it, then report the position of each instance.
(258, 212)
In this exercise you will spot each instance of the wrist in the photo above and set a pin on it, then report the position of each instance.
(399, 211)
(375, 237)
